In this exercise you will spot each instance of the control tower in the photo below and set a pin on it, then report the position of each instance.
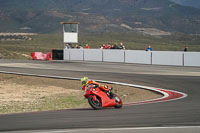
(70, 32)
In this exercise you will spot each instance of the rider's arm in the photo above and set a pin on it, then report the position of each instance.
(106, 87)
(95, 85)
(83, 88)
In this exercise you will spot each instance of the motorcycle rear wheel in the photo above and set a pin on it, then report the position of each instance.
(97, 105)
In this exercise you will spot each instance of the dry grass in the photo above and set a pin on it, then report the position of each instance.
(28, 94)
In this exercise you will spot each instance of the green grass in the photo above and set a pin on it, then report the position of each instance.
(47, 42)
(46, 104)
(40, 43)
(63, 102)
(134, 41)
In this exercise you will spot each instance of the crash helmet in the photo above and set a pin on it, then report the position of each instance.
(84, 81)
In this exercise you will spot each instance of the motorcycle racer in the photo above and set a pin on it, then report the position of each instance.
(86, 82)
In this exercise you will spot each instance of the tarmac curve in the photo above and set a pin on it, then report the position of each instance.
(183, 112)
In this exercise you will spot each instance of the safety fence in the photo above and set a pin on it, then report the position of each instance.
(134, 56)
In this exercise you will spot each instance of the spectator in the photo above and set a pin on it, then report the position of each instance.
(76, 46)
(80, 46)
(71, 46)
(87, 46)
(101, 46)
(68, 46)
(104, 46)
(122, 46)
(149, 48)
(109, 46)
(115, 46)
(112, 46)
(185, 49)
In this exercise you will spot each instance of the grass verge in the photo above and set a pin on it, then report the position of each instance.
(20, 94)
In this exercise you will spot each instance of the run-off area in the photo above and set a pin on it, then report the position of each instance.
(20, 94)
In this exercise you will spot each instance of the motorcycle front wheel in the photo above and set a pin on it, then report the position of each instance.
(97, 105)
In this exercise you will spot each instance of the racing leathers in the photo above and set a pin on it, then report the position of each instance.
(105, 88)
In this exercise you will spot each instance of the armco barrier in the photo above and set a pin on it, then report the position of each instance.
(134, 56)
(191, 59)
(167, 58)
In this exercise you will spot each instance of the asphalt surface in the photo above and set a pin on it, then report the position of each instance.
(183, 112)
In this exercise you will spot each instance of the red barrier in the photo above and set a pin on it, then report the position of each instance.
(49, 56)
(41, 56)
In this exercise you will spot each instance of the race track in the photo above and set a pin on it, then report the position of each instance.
(183, 112)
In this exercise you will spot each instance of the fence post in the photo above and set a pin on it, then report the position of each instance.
(124, 56)
(151, 58)
(69, 55)
(83, 55)
(183, 59)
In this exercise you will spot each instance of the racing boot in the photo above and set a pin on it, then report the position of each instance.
(109, 93)
(117, 99)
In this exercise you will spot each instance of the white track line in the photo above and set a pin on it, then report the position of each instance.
(165, 95)
(116, 129)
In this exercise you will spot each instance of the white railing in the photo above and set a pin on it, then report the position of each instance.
(134, 56)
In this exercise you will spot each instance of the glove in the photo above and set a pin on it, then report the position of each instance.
(111, 88)
(95, 86)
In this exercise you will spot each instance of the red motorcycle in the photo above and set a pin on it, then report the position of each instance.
(99, 99)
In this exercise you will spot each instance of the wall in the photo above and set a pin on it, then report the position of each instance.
(134, 56)
(191, 59)
(137, 56)
(167, 58)
(93, 55)
(73, 54)
(113, 55)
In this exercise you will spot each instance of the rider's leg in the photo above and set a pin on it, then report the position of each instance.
(108, 89)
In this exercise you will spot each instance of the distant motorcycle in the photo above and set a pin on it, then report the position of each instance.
(99, 99)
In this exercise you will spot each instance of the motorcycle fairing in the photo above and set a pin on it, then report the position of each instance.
(106, 101)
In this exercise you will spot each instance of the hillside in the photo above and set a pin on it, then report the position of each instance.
(192, 3)
(44, 16)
